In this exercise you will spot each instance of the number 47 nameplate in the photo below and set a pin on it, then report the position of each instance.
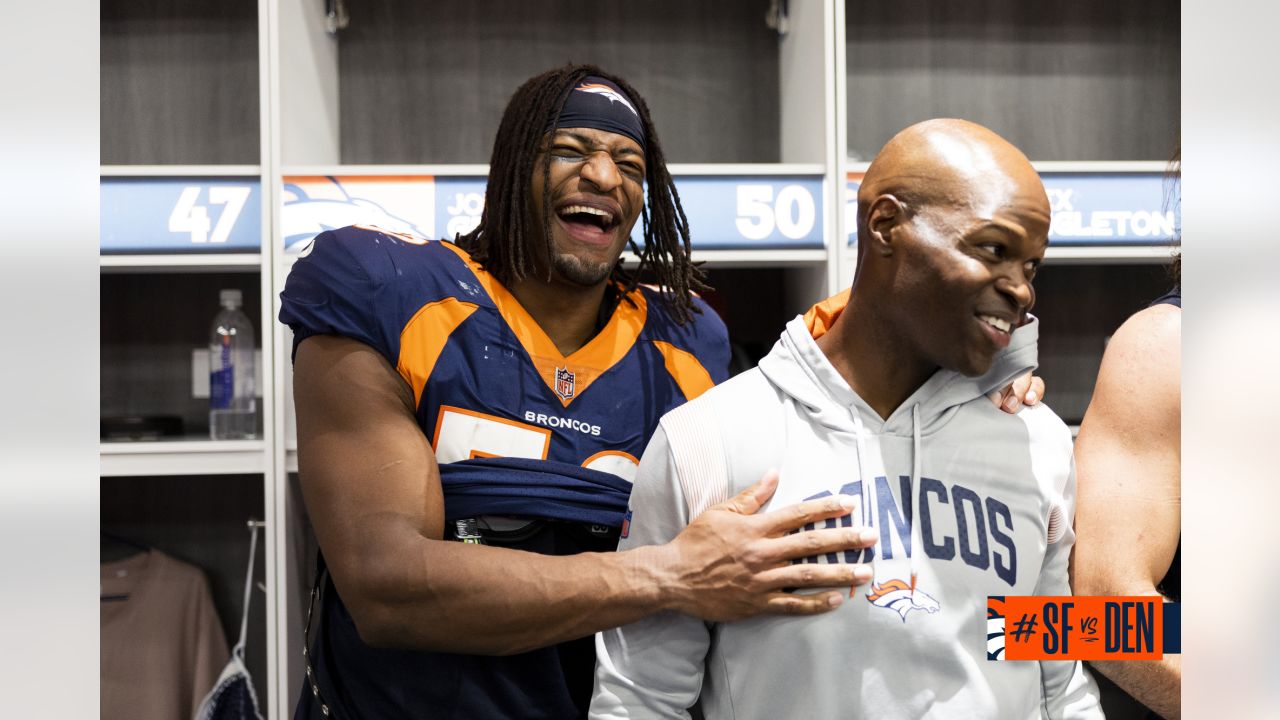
(180, 214)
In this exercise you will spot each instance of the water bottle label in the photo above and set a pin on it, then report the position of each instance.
(222, 384)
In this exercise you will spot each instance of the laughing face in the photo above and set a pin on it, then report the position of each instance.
(596, 189)
(969, 268)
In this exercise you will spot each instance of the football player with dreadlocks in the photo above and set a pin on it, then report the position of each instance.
(497, 390)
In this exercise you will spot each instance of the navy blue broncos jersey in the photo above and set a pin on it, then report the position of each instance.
(520, 425)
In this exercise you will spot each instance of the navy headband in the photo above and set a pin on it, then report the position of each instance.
(598, 103)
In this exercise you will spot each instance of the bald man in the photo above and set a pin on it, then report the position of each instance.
(878, 394)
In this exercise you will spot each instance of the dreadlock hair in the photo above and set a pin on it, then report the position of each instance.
(501, 242)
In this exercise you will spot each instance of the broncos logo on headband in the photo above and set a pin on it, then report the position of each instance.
(608, 92)
(898, 596)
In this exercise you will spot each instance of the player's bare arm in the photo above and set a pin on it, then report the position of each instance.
(1128, 463)
(372, 488)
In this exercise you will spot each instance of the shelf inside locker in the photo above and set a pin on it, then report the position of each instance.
(149, 262)
(148, 171)
(1109, 255)
(182, 456)
(154, 339)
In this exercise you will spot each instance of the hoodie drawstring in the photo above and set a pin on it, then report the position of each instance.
(869, 501)
(915, 492)
(868, 484)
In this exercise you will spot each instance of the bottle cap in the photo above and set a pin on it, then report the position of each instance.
(231, 298)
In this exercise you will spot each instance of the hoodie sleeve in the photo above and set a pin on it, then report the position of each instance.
(1067, 691)
(652, 668)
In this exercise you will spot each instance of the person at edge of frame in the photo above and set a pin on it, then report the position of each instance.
(1129, 459)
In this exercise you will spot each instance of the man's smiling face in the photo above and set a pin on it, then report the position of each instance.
(968, 269)
(596, 188)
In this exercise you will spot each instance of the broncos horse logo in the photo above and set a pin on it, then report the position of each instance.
(901, 598)
(315, 204)
(607, 92)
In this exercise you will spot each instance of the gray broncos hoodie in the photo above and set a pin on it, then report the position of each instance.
(969, 502)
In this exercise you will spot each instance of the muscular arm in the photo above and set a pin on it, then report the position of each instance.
(1128, 458)
(372, 487)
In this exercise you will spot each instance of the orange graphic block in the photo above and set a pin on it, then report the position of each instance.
(1076, 628)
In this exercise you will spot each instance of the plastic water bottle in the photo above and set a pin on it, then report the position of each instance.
(233, 407)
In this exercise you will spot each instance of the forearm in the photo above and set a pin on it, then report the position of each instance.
(1114, 569)
(449, 596)
(727, 565)
(1155, 683)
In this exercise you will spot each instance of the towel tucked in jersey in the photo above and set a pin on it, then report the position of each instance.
(540, 489)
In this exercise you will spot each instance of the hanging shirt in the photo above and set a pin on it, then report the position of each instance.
(162, 643)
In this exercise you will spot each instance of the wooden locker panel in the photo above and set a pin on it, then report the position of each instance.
(427, 82)
(179, 82)
(1091, 80)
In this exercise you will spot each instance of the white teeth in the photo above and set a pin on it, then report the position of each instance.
(997, 323)
(572, 209)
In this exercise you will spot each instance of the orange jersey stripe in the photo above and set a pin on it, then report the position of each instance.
(424, 337)
(588, 362)
(685, 369)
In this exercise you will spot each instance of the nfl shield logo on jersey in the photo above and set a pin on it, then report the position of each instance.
(564, 383)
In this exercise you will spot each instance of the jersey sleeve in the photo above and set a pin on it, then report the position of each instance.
(329, 291)
(366, 284)
(653, 667)
(704, 336)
